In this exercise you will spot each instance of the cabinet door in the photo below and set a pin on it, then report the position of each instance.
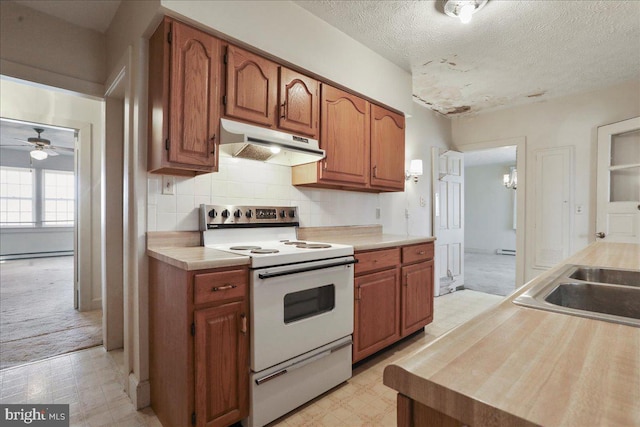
(251, 87)
(377, 312)
(417, 296)
(221, 368)
(194, 112)
(344, 136)
(387, 149)
(298, 99)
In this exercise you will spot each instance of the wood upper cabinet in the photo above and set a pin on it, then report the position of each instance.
(387, 149)
(298, 100)
(376, 312)
(417, 296)
(221, 374)
(344, 136)
(252, 87)
(183, 100)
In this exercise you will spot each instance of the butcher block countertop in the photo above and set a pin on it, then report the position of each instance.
(514, 365)
(182, 248)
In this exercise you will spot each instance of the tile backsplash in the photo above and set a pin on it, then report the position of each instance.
(247, 182)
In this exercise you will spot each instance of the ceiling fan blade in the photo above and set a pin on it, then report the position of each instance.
(13, 145)
(70, 150)
(26, 142)
(50, 152)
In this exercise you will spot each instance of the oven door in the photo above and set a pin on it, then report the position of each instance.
(300, 307)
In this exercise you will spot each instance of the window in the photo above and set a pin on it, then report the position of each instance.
(58, 198)
(16, 197)
(36, 197)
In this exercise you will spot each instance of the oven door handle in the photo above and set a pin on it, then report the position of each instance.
(305, 269)
(303, 362)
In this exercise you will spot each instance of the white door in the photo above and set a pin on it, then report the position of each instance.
(448, 219)
(618, 187)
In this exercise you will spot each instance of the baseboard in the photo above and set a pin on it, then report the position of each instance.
(139, 392)
(479, 251)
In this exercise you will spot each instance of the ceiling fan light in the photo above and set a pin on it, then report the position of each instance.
(463, 9)
(466, 12)
(38, 154)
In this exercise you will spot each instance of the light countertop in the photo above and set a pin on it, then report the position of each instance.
(515, 365)
(180, 248)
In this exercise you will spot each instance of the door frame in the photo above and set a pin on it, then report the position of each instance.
(521, 151)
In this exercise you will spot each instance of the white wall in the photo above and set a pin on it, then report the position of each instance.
(289, 32)
(488, 210)
(44, 49)
(39, 105)
(567, 121)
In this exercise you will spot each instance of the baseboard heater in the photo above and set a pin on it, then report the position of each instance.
(511, 252)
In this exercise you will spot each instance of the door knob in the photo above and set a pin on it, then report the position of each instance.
(600, 235)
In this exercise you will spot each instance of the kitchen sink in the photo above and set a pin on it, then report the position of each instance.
(607, 275)
(598, 293)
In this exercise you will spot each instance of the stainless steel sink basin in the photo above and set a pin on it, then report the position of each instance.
(607, 275)
(598, 293)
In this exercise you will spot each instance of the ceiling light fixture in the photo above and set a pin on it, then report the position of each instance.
(463, 9)
(38, 154)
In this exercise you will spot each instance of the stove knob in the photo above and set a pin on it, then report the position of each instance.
(248, 213)
(213, 213)
(283, 214)
(225, 214)
(237, 213)
(292, 214)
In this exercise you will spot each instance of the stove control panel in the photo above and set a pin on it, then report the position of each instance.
(228, 216)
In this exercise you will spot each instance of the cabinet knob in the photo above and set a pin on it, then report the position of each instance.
(421, 253)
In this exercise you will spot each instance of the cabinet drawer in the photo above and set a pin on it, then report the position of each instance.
(219, 286)
(376, 260)
(421, 252)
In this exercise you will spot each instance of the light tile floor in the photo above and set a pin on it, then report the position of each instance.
(91, 381)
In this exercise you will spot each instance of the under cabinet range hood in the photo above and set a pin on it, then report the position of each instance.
(246, 141)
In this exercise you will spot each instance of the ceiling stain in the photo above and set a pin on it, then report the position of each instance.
(459, 110)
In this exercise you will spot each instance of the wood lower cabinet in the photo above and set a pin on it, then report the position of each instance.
(376, 312)
(199, 345)
(393, 296)
(387, 149)
(184, 110)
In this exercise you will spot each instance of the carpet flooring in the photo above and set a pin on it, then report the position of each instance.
(37, 318)
(493, 274)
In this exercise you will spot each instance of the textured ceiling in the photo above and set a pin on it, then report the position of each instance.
(512, 52)
(94, 14)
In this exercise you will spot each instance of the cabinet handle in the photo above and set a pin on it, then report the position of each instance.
(375, 171)
(358, 296)
(213, 144)
(223, 288)
(421, 253)
(243, 319)
(324, 164)
(283, 113)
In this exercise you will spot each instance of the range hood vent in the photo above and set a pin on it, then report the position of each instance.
(245, 141)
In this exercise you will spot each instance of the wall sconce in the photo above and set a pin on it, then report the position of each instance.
(510, 180)
(415, 170)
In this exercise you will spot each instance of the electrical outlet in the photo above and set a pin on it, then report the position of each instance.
(168, 184)
(579, 209)
(377, 213)
(423, 202)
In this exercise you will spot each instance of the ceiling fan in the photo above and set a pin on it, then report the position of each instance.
(42, 146)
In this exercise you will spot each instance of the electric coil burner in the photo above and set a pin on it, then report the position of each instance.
(301, 305)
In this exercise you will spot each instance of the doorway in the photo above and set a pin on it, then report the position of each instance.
(39, 314)
(490, 220)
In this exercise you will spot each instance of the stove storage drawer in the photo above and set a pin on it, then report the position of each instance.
(377, 260)
(413, 253)
(219, 286)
